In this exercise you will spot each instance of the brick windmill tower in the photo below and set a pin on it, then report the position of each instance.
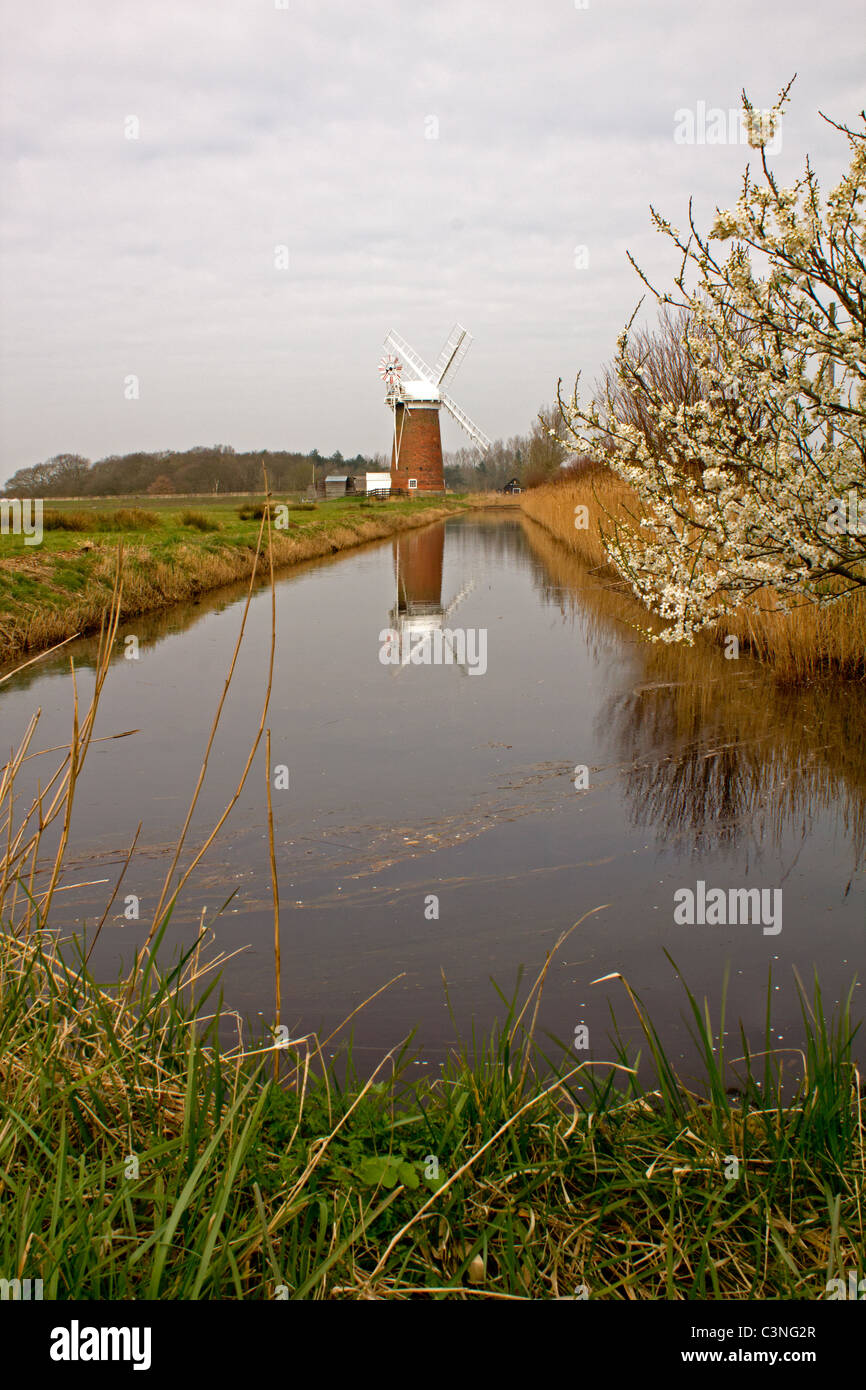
(416, 394)
(419, 615)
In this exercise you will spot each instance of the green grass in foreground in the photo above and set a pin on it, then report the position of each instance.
(138, 1159)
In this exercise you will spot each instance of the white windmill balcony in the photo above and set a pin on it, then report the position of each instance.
(420, 391)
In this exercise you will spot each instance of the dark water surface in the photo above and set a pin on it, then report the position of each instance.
(416, 780)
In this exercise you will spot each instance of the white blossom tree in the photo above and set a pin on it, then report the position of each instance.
(758, 483)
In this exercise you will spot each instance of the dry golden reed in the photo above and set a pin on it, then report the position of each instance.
(799, 646)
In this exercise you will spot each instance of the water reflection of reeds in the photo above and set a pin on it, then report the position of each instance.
(712, 750)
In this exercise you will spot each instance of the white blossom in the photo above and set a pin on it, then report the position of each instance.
(738, 500)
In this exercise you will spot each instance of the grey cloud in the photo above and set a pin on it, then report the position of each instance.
(307, 127)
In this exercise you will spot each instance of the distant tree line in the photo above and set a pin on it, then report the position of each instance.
(532, 458)
(206, 468)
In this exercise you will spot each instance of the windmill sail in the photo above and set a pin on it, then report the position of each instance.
(456, 347)
(413, 360)
(457, 599)
(465, 423)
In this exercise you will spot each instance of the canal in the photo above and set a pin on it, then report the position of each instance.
(446, 806)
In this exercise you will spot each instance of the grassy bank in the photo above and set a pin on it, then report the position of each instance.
(173, 549)
(800, 646)
(139, 1160)
(142, 1156)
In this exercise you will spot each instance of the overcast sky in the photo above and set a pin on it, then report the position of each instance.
(422, 163)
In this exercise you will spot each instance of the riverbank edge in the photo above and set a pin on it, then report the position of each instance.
(150, 584)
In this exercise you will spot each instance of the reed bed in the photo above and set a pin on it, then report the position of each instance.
(810, 642)
(121, 519)
(199, 521)
(141, 1156)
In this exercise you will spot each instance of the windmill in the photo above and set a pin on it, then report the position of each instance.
(419, 617)
(416, 394)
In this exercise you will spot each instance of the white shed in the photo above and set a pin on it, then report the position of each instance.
(374, 482)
